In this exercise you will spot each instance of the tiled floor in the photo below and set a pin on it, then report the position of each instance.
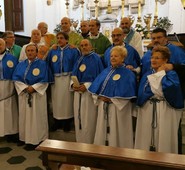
(13, 157)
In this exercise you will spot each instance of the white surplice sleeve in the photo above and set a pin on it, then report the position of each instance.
(155, 82)
(20, 86)
(40, 87)
(119, 103)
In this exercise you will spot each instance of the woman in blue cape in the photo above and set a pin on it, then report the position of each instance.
(160, 99)
(112, 91)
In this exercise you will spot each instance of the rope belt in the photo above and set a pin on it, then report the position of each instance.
(79, 111)
(106, 112)
(7, 97)
(29, 96)
(154, 101)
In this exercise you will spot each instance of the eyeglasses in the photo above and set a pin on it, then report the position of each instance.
(10, 37)
(116, 35)
(156, 58)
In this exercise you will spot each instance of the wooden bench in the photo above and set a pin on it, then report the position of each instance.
(105, 157)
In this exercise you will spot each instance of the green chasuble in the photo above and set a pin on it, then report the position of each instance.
(15, 50)
(75, 38)
(100, 44)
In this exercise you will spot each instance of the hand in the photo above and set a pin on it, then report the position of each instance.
(82, 88)
(72, 46)
(54, 46)
(75, 88)
(30, 89)
(130, 67)
(166, 67)
(105, 99)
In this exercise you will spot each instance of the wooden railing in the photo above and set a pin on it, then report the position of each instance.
(106, 157)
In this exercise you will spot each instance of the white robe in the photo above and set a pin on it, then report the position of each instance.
(120, 121)
(88, 115)
(166, 133)
(23, 56)
(136, 42)
(8, 108)
(62, 98)
(33, 121)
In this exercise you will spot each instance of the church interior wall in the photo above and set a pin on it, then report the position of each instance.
(38, 10)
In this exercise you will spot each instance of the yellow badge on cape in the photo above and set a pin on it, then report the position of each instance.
(82, 68)
(54, 58)
(10, 64)
(36, 72)
(116, 77)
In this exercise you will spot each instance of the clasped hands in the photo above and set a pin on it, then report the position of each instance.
(29, 90)
(80, 88)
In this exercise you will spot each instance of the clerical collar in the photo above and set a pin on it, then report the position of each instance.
(94, 36)
(85, 35)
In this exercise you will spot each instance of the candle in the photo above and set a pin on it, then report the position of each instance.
(139, 8)
(82, 9)
(96, 8)
(123, 5)
(156, 8)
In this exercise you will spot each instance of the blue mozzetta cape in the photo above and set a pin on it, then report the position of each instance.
(177, 57)
(109, 84)
(35, 72)
(132, 58)
(170, 86)
(62, 63)
(93, 65)
(7, 66)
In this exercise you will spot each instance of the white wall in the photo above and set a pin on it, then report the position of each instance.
(2, 23)
(177, 16)
(36, 11)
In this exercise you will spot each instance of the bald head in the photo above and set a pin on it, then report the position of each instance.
(2, 46)
(85, 46)
(43, 27)
(125, 24)
(118, 36)
(84, 26)
(65, 24)
(35, 36)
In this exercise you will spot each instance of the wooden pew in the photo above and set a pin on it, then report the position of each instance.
(105, 157)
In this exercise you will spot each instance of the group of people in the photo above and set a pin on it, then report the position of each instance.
(99, 84)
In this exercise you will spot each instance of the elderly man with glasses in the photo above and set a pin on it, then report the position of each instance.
(132, 61)
(11, 47)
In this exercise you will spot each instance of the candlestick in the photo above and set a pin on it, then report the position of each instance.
(156, 8)
(96, 8)
(183, 3)
(122, 8)
(82, 9)
(139, 13)
(147, 19)
(139, 8)
(155, 14)
(109, 8)
(67, 8)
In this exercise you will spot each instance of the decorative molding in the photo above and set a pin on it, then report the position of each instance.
(162, 2)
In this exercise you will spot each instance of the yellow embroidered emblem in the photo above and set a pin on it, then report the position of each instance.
(36, 72)
(54, 58)
(116, 77)
(10, 64)
(82, 68)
